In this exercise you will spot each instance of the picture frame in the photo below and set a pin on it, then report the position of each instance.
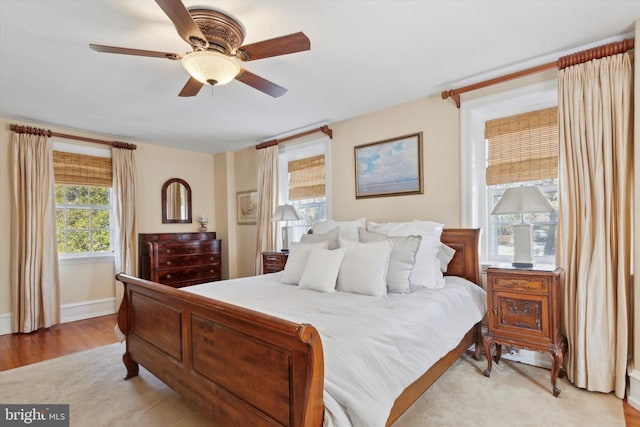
(247, 207)
(392, 167)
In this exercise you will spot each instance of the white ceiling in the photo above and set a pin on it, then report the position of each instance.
(365, 56)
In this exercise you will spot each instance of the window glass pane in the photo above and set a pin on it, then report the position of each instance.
(101, 241)
(78, 218)
(99, 218)
(77, 195)
(83, 219)
(78, 241)
(99, 196)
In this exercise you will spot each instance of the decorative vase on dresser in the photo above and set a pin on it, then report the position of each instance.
(179, 259)
(523, 311)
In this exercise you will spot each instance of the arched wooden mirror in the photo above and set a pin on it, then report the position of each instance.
(176, 202)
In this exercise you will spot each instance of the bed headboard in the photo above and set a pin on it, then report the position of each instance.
(465, 261)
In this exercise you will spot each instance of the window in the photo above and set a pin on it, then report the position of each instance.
(522, 149)
(479, 187)
(83, 177)
(303, 182)
(83, 219)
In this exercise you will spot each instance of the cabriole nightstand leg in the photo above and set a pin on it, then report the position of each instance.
(488, 341)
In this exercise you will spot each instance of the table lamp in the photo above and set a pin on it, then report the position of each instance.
(286, 213)
(522, 200)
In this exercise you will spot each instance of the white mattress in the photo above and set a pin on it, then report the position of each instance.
(373, 347)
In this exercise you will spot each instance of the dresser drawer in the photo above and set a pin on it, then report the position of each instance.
(538, 284)
(175, 276)
(166, 262)
(188, 248)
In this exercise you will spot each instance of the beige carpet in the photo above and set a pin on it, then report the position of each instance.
(91, 382)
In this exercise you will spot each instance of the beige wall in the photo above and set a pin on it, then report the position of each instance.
(438, 120)
(82, 281)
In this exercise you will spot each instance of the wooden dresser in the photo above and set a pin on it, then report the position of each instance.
(179, 259)
(523, 310)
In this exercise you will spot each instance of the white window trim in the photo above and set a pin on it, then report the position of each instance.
(473, 115)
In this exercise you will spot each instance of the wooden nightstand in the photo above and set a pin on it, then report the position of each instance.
(272, 262)
(523, 310)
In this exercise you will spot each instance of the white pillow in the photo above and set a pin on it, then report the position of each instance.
(364, 267)
(330, 236)
(297, 260)
(445, 255)
(401, 261)
(426, 270)
(321, 270)
(347, 229)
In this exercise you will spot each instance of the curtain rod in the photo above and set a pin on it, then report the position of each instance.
(48, 133)
(563, 62)
(324, 129)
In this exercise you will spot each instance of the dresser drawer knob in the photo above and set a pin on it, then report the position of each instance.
(168, 251)
(168, 262)
(211, 270)
(168, 276)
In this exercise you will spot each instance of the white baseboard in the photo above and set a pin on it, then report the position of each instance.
(535, 358)
(633, 394)
(71, 312)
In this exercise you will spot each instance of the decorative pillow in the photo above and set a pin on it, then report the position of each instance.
(321, 271)
(426, 270)
(364, 267)
(445, 255)
(297, 260)
(401, 261)
(330, 236)
(347, 229)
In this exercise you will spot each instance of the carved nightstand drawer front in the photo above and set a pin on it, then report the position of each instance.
(521, 283)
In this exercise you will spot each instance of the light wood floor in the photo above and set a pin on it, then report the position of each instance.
(23, 349)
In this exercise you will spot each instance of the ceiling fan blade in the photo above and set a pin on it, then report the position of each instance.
(136, 52)
(284, 45)
(263, 85)
(192, 88)
(186, 26)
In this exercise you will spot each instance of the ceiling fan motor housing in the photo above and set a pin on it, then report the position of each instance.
(224, 33)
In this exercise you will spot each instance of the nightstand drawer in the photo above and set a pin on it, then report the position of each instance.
(520, 283)
(272, 262)
(275, 260)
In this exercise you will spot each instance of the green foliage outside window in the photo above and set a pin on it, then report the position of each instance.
(83, 219)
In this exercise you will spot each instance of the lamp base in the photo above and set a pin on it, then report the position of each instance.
(522, 264)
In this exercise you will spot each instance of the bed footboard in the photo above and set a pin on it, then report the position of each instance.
(242, 367)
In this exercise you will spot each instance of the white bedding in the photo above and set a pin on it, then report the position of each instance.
(374, 347)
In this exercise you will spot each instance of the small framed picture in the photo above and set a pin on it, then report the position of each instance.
(392, 167)
(247, 207)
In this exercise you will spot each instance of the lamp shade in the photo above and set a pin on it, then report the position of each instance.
(286, 213)
(521, 200)
(211, 67)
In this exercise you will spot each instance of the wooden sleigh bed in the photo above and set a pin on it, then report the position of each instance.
(248, 368)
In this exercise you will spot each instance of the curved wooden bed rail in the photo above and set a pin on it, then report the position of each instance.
(245, 367)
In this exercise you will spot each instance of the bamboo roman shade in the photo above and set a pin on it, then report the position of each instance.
(306, 178)
(523, 147)
(81, 169)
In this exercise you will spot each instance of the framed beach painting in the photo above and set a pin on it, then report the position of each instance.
(392, 167)
(247, 207)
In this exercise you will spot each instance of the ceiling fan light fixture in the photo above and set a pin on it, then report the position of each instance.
(210, 67)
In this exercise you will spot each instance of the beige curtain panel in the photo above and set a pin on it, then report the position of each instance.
(594, 226)
(267, 195)
(34, 253)
(124, 214)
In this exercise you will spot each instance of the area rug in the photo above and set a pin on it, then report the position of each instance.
(516, 394)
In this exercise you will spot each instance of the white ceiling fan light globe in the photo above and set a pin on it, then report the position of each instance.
(210, 66)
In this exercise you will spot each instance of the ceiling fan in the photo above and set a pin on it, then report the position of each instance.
(216, 40)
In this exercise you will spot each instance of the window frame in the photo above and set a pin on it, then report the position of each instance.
(60, 144)
(475, 198)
